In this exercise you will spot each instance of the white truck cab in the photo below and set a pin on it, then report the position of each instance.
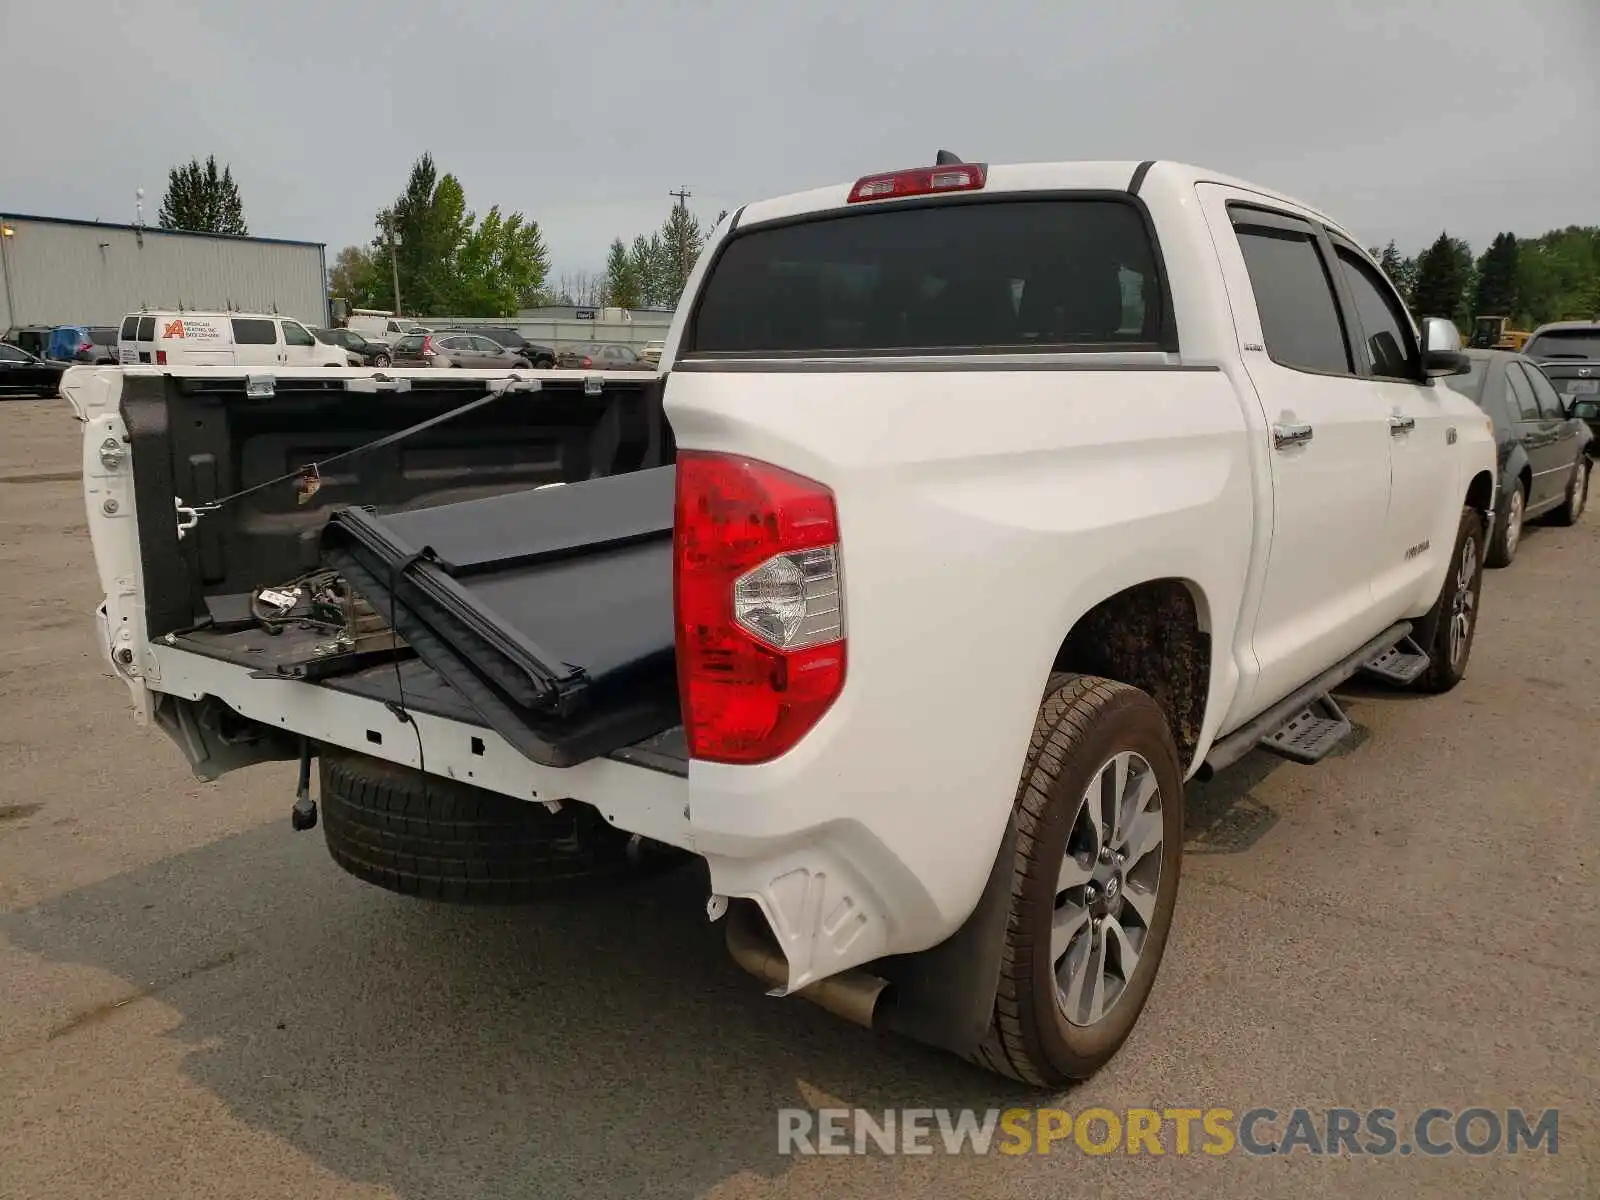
(976, 509)
(216, 339)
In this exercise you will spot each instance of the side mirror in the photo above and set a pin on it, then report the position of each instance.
(1441, 348)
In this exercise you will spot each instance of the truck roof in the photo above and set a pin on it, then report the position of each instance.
(1032, 177)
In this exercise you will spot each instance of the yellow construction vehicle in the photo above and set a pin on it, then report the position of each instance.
(1494, 333)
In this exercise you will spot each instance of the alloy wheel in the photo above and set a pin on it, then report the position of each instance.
(1107, 887)
(1514, 521)
(1464, 604)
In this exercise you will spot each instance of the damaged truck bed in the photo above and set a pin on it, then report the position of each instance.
(547, 612)
(521, 551)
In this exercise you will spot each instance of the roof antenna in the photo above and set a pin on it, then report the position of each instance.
(945, 159)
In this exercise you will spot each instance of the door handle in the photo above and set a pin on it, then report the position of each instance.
(1284, 436)
(1399, 425)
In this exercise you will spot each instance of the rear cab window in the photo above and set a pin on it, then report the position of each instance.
(1060, 273)
(130, 329)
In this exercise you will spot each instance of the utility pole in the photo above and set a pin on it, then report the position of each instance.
(683, 194)
(394, 262)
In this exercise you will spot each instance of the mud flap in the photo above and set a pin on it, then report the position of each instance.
(944, 996)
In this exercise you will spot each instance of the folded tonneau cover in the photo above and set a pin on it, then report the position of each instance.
(550, 609)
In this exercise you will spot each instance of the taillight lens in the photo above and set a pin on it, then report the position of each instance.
(161, 358)
(427, 347)
(758, 606)
(587, 361)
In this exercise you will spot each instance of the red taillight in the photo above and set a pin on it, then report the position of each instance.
(587, 361)
(86, 347)
(427, 347)
(757, 604)
(161, 358)
(920, 181)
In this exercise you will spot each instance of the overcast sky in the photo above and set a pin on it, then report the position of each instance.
(1398, 117)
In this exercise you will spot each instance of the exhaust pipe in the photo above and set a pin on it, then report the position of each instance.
(852, 994)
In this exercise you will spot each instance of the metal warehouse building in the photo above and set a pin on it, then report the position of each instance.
(64, 272)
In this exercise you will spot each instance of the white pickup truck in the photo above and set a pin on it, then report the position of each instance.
(974, 511)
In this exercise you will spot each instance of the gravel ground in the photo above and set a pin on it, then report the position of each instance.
(198, 1002)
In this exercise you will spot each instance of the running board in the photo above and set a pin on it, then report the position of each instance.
(1401, 664)
(1309, 735)
(1228, 750)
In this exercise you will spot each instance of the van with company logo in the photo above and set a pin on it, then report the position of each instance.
(221, 339)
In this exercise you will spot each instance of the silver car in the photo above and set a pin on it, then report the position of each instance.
(471, 351)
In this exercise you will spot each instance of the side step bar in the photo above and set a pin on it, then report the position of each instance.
(1307, 723)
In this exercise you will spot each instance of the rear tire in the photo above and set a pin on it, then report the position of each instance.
(1047, 1028)
(1453, 621)
(433, 837)
(1507, 529)
(1577, 495)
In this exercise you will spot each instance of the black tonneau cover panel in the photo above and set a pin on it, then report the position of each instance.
(550, 610)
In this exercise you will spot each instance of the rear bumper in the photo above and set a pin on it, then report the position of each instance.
(834, 885)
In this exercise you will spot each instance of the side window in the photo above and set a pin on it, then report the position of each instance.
(1385, 330)
(1550, 407)
(254, 331)
(486, 345)
(130, 329)
(1294, 296)
(1522, 393)
(147, 330)
(11, 354)
(296, 335)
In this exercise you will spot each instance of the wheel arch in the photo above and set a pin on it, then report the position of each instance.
(1155, 636)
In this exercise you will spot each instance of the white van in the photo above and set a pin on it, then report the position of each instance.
(378, 326)
(201, 339)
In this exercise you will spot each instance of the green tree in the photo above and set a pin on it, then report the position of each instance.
(1558, 276)
(622, 280)
(430, 220)
(361, 277)
(681, 239)
(649, 258)
(1496, 292)
(201, 200)
(1441, 282)
(1401, 271)
(499, 267)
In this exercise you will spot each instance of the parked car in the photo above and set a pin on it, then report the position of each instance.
(35, 339)
(1542, 448)
(909, 606)
(1569, 353)
(220, 339)
(24, 374)
(82, 344)
(363, 353)
(541, 357)
(468, 351)
(598, 357)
